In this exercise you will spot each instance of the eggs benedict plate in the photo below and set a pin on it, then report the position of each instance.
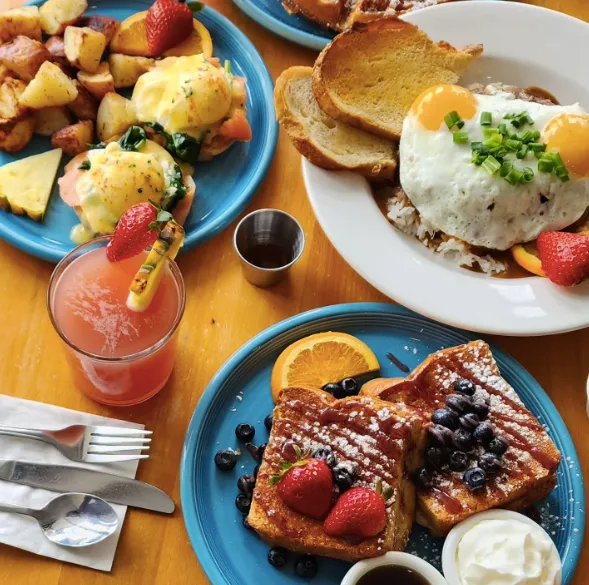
(488, 170)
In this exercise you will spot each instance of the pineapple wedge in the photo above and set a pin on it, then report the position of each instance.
(26, 185)
(150, 274)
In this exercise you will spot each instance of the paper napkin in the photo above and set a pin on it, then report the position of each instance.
(23, 532)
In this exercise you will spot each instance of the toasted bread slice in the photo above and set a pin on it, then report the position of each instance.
(383, 441)
(529, 466)
(325, 142)
(370, 75)
(327, 13)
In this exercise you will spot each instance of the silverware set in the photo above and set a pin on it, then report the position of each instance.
(82, 516)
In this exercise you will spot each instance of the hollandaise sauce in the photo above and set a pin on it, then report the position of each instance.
(118, 356)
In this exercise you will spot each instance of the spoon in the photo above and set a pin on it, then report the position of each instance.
(75, 520)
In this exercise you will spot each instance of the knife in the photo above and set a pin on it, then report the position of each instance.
(109, 487)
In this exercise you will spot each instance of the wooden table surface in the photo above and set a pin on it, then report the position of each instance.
(223, 312)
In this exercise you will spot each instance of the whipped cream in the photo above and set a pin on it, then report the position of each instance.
(506, 552)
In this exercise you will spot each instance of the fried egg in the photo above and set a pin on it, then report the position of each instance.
(463, 200)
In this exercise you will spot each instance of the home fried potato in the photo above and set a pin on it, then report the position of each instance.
(103, 24)
(51, 87)
(85, 106)
(55, 46)
(16, 121)
(74, 139)
(99, 83)
(50, 120)
(127, 69)
(57, 14)
(20, 21)
(115, 115)
(24, 56)
(84, 47)
(5, 72)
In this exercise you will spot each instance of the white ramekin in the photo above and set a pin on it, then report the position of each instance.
(449, 552)
(399, 559)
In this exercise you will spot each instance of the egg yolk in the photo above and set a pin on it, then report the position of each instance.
(438, 101)
(569, 135)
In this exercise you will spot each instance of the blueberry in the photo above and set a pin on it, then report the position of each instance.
(458, 461)
(245, 432)
(226, 460)
(256, 471)
(246, 484)
(338, 391)
(483, 433)
(470, 421)
(462, 440)
(350, 387)
(459, 403)
(440, 436)
(278, 557)
(332, 388)
(435, 457)
(246, 523)
(256, 452)
(423, 478)
(327, 455)
(268, 421)
(481, 409)
(464, 387)
(498, 445)
(489, 463)
(344, 475)
(446, 418)
(243, 503)
(475, 478)
(306, 567)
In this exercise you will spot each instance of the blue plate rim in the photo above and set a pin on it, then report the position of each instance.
(44, 251)
(187, 467)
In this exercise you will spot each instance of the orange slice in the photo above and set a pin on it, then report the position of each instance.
(321, 359)
(527, 260)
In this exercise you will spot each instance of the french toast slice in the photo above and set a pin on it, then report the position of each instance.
(370, 75)
(529, 467)
(384, 442)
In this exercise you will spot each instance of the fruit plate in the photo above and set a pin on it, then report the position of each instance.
(224, 186)
(240, 392)
(399, 265)
(271, 15)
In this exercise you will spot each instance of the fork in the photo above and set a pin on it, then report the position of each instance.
(90, 443)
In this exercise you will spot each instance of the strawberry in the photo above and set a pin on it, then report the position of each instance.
(564, 257)
(168, 23)
(305, 486)
(137, 229)
(359, 512)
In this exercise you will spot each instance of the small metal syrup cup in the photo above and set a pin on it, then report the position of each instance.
(268, 227)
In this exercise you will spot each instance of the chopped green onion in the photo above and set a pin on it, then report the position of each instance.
(545, 165)
(537, 146)
(522, 152)
(478, 158)
(491, 165)
(558, 164)
(453, 119)
(476, 146)
(513, 145)
(509, 116)
(506, 168)
(528, 119)
(488, 132)
(486, 118)
(527, 136)
(502, 128)
(498, 151)
(527, 175)
(460, 137)
(514, 176)
(494, 140)
(536, 134)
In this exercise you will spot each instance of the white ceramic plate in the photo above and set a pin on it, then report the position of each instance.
(524, 46)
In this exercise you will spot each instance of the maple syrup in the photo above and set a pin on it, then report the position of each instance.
(268, 255)
(392, 575)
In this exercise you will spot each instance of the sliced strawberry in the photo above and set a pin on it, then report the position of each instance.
(564, 257)
(359, 512)
(306, 486)
(137, 229)
(168, 23)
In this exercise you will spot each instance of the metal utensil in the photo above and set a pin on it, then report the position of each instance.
(272, 231)
(90, 443)
(109, 487)
(75, 520)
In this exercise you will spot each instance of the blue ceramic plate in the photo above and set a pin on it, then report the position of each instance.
(240, 392)
(272, 15)
(224, 186)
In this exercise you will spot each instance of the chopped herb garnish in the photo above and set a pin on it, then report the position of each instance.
(486, 119)
(460, 137)
(85, 166)
(133, 139)
(453, 120)
(491, 165)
